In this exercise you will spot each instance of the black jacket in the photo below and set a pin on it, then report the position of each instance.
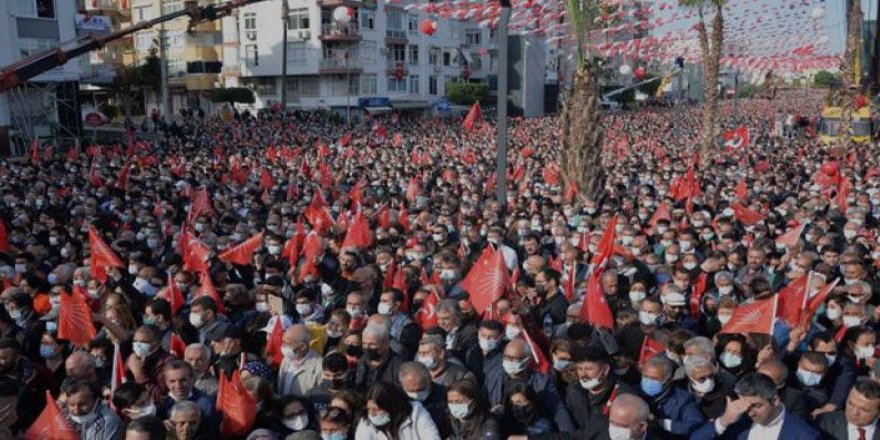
(834, 426)
(366, 376)
(713, 403)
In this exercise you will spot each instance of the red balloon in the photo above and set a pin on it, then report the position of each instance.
(428, 26)
(640, 72)
(830, 168)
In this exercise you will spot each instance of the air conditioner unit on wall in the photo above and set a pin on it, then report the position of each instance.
(305, 35)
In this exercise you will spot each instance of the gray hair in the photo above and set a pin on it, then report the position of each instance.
(756, 385)
(436, 340)
(450, 305)
(84, 357)
(185, 406)
(661, 362)
(703, 344)
(638, 405)
(380, 332)
(691, 363)
(417, 369)
(204, 348)
(723, 274)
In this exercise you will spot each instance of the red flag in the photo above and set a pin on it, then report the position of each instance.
(756, 317)
(551, 175)
(75, 320)
(4, 238)
(383, 216)
(291, 251)
(413, 190)
(843, 190)
(243, 253)
(195, 253)
(791, 300)
(570, 282)
(541, 362)
(745, 215)
(403, 219)
(51, 424)
(650, 348)
(487, 280)
(737, 138)
(117, 375)
(176, 346)
(35, 152)
(345, 139)
(814, 302)
(790, 238)
(474, 116)
(238, 407)
(102, 256)
(200, 205)
(595, 309)
(207, 289)
(274, 343)
(697, 294)
(122, 177)
(606, 246)
(426, 316)
(173, 295)
(359, 233)
(266, 181)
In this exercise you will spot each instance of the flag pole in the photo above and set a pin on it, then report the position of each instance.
(773, 321)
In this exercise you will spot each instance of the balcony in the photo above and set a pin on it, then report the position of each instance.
(337, 3)
(200, 81)
(200, 53)
(340, 32)
(331, 66)
(107, 6)
(395, 36)
(396, 67)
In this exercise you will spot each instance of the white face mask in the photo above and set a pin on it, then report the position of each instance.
(647, 318)
(725, 290)
(618, 433)
(384, 309)
(512, 332)
(731, 360)
(303, 309)
(297, 423)
(636, 295)
(195, 319)
(705, 386)
(864, 353)
(590, 384)
(833, 313)
(851, 321)
(723, 319)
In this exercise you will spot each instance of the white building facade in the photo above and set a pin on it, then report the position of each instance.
(378, 60)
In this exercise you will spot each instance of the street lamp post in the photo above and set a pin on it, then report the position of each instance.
(501, 125)
(285, 12)
(736, 97)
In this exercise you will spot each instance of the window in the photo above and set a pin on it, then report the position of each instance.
(296, 52)
(369, 85)
(447, 58)
(432, 85)
(433, 56)
(353, 85)
(395, 25)
(30, 46)
(412, 24)
(264, 86)
(143, 41)
(413, 84)
(251, 55)
(339, 86)
(398, 53)
(396, 85)
(176, 67)
(368, 19)
(171, 6)
(46, 8)
(142, 13)
(175, 39)
(473, 37)
(250, 21)
(369, 52)
(298, 19)
(414, 55)
(476, 62)
(304, 87)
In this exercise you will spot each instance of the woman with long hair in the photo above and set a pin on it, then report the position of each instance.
(391, 416)
(469, 413)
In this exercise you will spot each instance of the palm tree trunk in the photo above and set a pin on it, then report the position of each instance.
(846, 95)
(582, 138)
(711, 61)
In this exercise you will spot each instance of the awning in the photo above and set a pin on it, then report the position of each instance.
(378, 110)
(410, 105)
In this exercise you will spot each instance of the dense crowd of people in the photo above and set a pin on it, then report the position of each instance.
(275, 276)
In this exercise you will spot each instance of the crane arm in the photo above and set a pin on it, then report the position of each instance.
(27, 68)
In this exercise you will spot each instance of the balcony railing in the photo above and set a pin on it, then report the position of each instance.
(395, 34)
(340, 31)
(337, 3)
(340, 64)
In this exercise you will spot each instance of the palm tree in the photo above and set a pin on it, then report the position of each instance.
(711, 52)
(581, 136)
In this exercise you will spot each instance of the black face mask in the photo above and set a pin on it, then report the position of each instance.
(523, 414)
(354, 351)
(333, 384)
(371, 354)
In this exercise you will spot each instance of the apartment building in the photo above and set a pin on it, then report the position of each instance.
(195, 56)
(377, 61)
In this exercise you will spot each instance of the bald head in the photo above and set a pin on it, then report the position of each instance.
(80, 365)
(629, 413)
(775, 370)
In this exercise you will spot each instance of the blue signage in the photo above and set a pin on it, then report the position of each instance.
(374, 102)
(443, 104)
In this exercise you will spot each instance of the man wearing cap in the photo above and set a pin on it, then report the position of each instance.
(675, 314)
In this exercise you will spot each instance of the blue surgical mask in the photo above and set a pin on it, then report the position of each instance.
(47, 350)
(380, 419)
(808, 378)
(651, 387)
(336, 435)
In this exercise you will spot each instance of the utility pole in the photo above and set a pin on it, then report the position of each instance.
(875, 55)
(736, 97)
(501, 124)
(164, 107)
(285, 12)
